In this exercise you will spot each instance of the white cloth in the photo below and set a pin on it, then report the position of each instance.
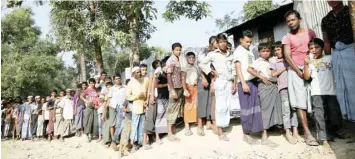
(222, 110)
(204, 67)
(191, 74)
(246, 59)
(117, 96)
(67, 104)
(45, 111)
(218, 60)
(262, 67)
(322, 76)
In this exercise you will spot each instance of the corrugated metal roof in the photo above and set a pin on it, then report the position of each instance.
(268, 19)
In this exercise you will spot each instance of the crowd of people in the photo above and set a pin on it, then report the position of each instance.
(289, 79)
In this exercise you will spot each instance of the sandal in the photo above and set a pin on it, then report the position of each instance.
(290, 139)
(223, 137)
(269, 143)
(200, 132)
(172, 138)
(147, 147)
(311, 141)
(251, 141)
(188, 132)
(298, 139)
(159, 141)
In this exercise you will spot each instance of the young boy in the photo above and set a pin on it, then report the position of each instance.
(218, 59)
(8, 119)
(324, 101)
(270, 101)
(173, 71)
(278, 69)
(100, 115)
(250, 114)
(189, 78)
(90, 97)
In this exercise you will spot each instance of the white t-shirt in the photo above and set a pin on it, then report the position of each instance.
(262, 67)
(218, 60)
(46, 112)
(191, 74)
(246, 59)
(322, 76)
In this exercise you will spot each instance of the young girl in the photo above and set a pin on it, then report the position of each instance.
(324, 101)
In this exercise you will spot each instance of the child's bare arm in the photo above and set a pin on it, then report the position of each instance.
(278, 72)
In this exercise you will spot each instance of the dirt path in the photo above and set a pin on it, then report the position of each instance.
(192, 147)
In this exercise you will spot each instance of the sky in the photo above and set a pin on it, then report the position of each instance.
(189, 33)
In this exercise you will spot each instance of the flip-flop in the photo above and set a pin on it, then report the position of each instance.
(147, 147)
(290, 139)
(172, 138)
(250, 140)
(200, 132)
(311, 141)
(188, 133)
(223, 138)
(159, 141)
(269, 143)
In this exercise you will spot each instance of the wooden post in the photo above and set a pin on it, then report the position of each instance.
(352, 14)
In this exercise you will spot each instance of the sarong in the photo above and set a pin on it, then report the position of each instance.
(161, 122)
(298, 91)
(289, 114)
(109, 123)
(34, 123)
(175, 106)
(137, 128)
(270, 103)
(90, 121)
(204, 101)
(79, 117)
(40, 126)
(58, 125)
(150, 117)
(222, 107)
(213, 106)
(26, 127)
(250, 114)
(67, 128)
(233, 101)
(18, 127)
(190, 108)
(343, 58)
(50, 127)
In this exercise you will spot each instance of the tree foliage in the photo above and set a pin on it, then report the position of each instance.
(228, 21)
(30, 65)
(252, 9)
(190, 9)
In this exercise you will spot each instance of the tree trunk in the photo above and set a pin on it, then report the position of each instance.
(98, 56)
(82, 66)
(352, 14)
(134, 54)
(96, 42)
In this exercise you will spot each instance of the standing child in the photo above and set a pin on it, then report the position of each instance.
(176, 100)
(16, 115)
(99, 116)
(278, 69)
(270, 101)
(218, 59)
(8, 119)
(189, 78)
(324, 101)
(250, 114)
(126, 128)
(90, 97)
(26, 116)
(45, 115)
(39, 131)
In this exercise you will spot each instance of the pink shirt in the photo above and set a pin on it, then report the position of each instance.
(174, 68)
(299, 45)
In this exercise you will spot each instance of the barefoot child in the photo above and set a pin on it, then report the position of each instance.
(250, 114)
(90, 97)
(8, 119)
(279, 70)
(324, 101)
(270, 101)
(189, 78)
(176, 101)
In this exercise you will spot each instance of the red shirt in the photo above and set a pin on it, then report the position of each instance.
(91, 95)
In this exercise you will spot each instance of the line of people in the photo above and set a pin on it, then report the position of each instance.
(291, 78)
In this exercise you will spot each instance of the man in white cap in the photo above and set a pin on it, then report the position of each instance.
(136, 92)
(26, 116)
